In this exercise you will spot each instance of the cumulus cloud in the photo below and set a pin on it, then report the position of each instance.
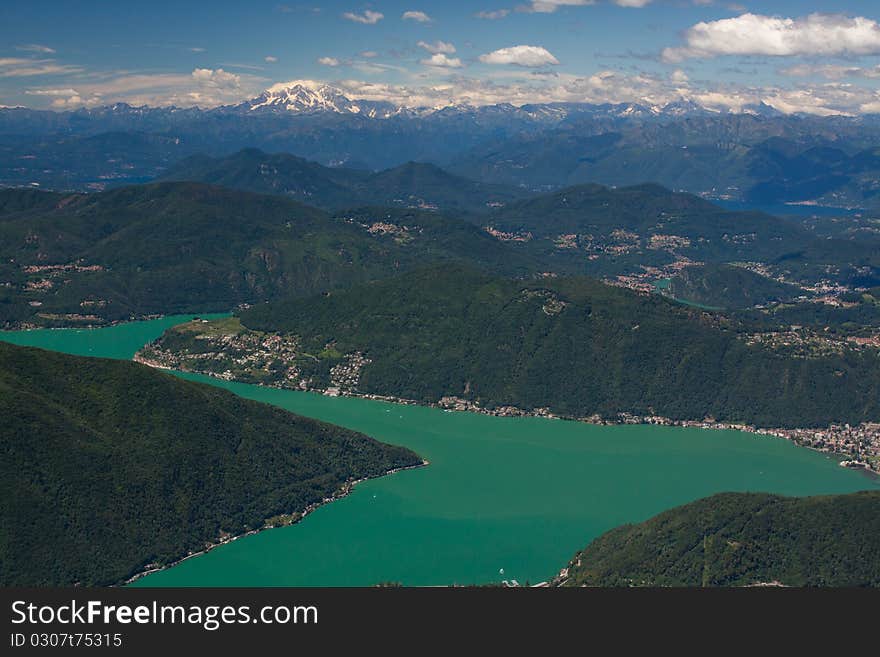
(417, 16)
(440, 60)
(270, 59)
(369, 54)
(529, 56)
(367, 18)
(437, 46)
(755, 34)
(208, 79)
(328, 61)
(679, 77)
(492, 15)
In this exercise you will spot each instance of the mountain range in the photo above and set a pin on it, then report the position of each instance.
(413, 184)
(758, 155)
(306, 97)
(183, 246)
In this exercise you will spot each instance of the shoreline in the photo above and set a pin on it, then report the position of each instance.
(297, 517)
(110, 323)
(455, 404)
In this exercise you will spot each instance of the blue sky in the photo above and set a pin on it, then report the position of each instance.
(822, 57)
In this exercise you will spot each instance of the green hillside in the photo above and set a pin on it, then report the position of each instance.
(740, 539)
(575, 346)
(110, 466)
(190, 247)
(650, 233)
(596, 213)
(413, 184)
(729, 287)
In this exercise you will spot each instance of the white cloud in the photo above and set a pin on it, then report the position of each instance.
(196, 49)
(530, 56)
(18, 67)
(442, 61)
(328, 61)
(635, 3)
(492, 15)
(203, 87)
(52, 93)
(369, 54)
(612, 87)
(367, 18)
(37, 48)
(550, 6)
(270, 59)
(679, 77)
(211, 78)
(754, 34)
(871, 107)
(437, 46)
(417, 16)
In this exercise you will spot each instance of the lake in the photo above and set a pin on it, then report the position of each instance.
(503, 498)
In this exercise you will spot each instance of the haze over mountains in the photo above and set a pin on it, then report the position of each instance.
(758, 155)
(414, 184)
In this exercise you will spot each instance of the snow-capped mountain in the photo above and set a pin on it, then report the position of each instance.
(309, 98)
(313, 99)
(761, 109)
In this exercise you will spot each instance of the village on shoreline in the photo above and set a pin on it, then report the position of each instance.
(857, 446)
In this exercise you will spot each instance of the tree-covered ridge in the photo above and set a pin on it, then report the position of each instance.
(623, 231)
(110, 466)
(77, 259)
(413, 184)
(575, 346)
(188, 247)
(741, 539)
(730, 287)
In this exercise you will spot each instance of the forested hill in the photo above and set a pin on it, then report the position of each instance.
(648, 211)
(411, 184)
(575, 346)
(650, 225)
(110, 466)
(729, 287)
(190, 247)
(739, 539)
